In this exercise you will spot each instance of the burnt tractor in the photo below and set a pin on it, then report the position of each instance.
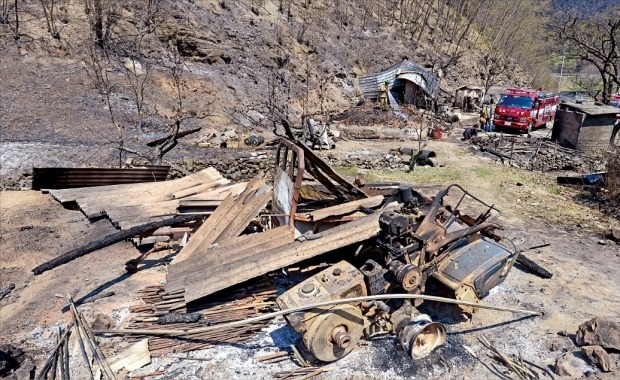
(460, 252)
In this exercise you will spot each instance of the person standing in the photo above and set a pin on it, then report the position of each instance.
(383, 97)
(484, 116)
(491, 113)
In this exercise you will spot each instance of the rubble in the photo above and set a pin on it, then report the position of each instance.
(599, 357)
(389, 246)
(536, 154)
(598, 331)
(570, 365)
(10, 358)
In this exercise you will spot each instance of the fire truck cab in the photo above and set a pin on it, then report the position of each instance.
(525, 109)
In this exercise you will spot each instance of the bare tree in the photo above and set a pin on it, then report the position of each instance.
(48, 10)
(595, 39)
(492, 66)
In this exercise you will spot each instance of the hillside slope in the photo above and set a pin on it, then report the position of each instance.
(235, 59)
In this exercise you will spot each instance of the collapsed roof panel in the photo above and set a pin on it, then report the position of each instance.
(406, 70)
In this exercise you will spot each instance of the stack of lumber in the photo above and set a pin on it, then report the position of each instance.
(131, 205)
(238, 304)
(243, 258)
(230, 218)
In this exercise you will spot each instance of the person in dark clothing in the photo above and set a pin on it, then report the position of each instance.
(470, 132)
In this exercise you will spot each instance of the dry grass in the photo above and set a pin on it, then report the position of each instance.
(613, 176)
(522, 195)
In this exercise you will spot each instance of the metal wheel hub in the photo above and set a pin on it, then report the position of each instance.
(334, 333)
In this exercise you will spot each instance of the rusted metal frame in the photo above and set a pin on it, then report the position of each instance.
(316, 173)
(295, 172)
(437, 242)
(453, 215)
(329, 172)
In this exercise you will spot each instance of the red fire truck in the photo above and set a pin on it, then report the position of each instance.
(525, 109)
(615, 102)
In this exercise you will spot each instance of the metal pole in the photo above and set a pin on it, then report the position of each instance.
(313, 306)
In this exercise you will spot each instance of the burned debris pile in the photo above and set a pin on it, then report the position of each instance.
(364, 258)
(536, 154)
(160, 312)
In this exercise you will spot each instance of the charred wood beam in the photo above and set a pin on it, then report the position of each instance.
(112, 239)
(178, 136)
(532, 267)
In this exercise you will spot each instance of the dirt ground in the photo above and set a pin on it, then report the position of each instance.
(35, 228)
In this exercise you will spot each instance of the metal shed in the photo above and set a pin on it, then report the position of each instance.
(408, 82)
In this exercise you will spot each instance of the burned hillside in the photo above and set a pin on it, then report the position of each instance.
(307, 189)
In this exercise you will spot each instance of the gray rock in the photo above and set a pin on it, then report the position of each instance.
(603, 332)
(570, 365)
(599, 357)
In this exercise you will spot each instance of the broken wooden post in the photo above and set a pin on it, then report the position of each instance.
(112, 239)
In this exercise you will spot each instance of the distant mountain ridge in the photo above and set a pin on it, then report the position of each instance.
(586, 6)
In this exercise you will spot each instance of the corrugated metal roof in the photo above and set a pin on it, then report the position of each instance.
(591, 108)
(65, 178)
(371, 84)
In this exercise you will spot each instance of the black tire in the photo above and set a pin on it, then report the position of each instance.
(530, 127)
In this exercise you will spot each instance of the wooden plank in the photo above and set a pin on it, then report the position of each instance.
(246, 214)
(136, 356)
(211, 229)
(217, 194)
(228, 246)
(345, 208)
(228, 250)
(261, 262)
(199, 189)
(224, 258)
(133, 197)
(145, 212)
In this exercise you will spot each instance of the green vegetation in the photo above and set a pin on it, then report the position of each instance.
(482, 172)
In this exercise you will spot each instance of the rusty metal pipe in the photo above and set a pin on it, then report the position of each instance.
(314, 306)
(456, 235)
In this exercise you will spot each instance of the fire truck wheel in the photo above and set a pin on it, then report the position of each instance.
(530, 127)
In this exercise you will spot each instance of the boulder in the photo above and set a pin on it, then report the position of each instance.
(570, 365)
(599, 357)
(598, 331)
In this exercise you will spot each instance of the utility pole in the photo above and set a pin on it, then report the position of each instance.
(561, 70)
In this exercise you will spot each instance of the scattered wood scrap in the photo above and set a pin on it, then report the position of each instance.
(534, 268)
(341, 209)
(111, 239)
(134, 357)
